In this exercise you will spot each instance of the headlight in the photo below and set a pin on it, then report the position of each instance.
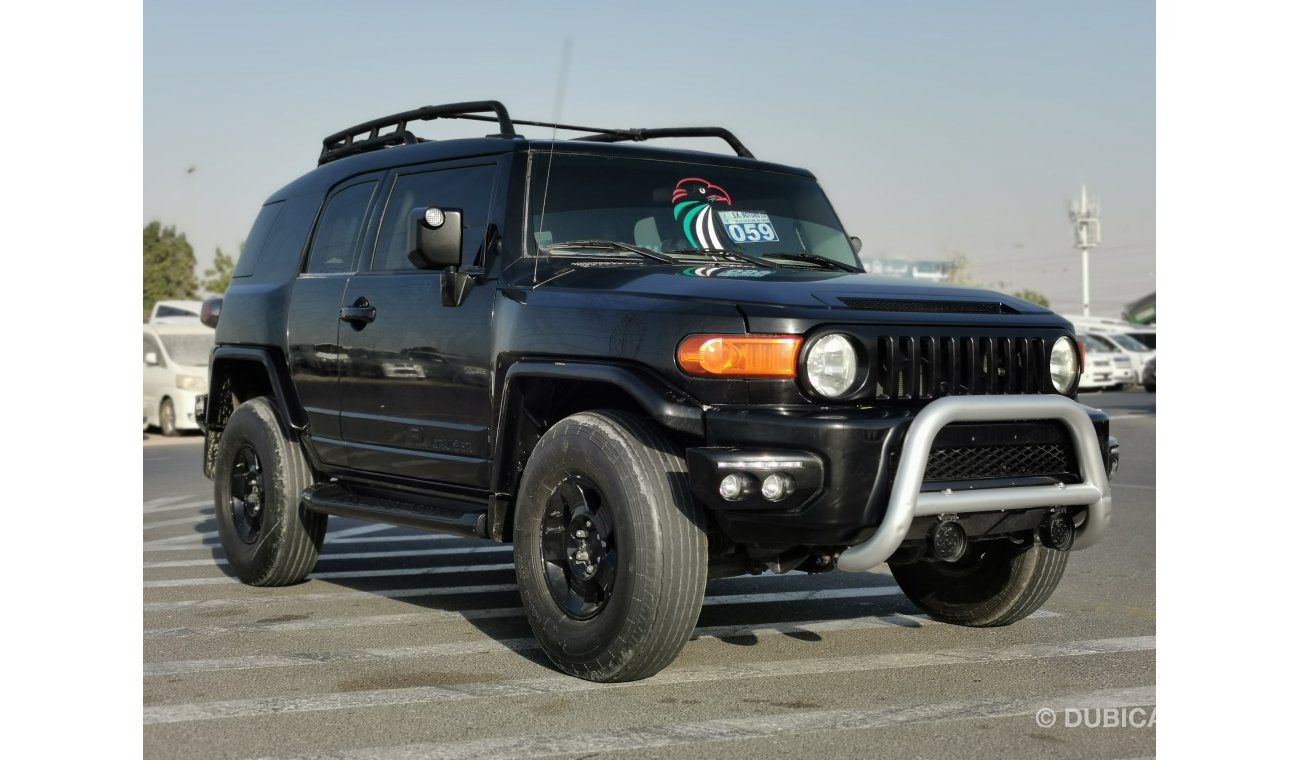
(832, 365)
(191, 383)
(1064, 364)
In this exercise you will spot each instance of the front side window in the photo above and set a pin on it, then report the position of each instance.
(338, 234)
(681, 208)
(468, 188)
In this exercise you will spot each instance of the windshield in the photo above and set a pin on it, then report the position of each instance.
(679, 208)
(1092, 344)
(1127, 343)
(191, 350)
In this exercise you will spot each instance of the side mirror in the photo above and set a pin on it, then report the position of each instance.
(211, 312)
(856, 243)
(151, 359)
(435, 238)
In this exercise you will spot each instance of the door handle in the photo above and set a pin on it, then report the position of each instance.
(359, 313)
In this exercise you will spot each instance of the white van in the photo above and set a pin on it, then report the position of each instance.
(175, 371)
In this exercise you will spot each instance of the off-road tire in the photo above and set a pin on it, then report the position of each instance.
(280, 544)
(1000, 583)
(637, 477)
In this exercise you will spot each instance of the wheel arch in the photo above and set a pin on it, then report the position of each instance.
(240, 373)
(535, 395)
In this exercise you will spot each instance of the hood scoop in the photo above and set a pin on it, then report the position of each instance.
(927, 306)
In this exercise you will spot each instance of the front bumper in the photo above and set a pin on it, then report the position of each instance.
(906, 501)
(871, 465)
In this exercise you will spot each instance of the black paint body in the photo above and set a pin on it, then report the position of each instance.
(440, 404)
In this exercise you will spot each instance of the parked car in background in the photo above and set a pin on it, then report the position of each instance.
(175, 371)
(1137, 353)
(1149, 375)
(175, 312)
(1144, 334)
(1104, 366)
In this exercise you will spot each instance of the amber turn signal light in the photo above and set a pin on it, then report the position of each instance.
(740, 355)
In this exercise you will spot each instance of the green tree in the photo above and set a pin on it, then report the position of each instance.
(218, 277)
(959, 270)
(168, 266)
(1033, 296)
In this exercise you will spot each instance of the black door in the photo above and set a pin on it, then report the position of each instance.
(313, 324)
(414, 373)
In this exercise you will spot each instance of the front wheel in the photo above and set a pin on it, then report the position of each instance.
(997, 583)
(259, 476)
(610, 547)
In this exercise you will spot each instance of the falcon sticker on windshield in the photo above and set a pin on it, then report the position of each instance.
(693, 202)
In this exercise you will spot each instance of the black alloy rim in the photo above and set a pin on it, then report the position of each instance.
(247, 496)
(579, 551)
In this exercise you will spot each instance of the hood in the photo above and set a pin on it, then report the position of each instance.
(791, 288)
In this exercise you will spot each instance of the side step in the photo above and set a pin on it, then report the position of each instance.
(335, 499)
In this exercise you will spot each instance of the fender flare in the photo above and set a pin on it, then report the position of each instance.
(292, 417)
(668, 406)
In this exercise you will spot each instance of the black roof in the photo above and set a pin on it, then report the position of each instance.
(385, 143)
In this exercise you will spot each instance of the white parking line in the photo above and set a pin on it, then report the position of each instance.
(739, 729)
(196, 541)
(491, 646)
(178, 521)
(223, 580)
(190, 505)
(356, 621)
(769, 725)
(398, 593)
(492, 549)
(362, 530)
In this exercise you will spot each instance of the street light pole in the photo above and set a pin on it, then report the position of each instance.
(1085, 212)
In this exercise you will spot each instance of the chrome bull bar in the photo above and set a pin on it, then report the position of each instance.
(907, 502)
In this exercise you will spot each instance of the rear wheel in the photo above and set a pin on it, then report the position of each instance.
(268, 537)
(610, 547)
(997, 583)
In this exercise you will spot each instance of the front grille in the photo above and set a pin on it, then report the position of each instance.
(932, 307)
(1015, 461)
(925, 367)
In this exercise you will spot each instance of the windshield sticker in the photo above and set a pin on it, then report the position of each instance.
(748, 226)
(693, 202)
(743, 274)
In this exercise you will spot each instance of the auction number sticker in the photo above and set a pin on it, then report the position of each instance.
(748, 226)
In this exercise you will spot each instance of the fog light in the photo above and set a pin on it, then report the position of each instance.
(947, 541)
(735, 486)
(777, 486)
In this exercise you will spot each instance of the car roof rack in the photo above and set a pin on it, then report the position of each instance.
(371, 135)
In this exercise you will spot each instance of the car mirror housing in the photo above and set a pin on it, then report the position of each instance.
(151, 359)
(435, 238)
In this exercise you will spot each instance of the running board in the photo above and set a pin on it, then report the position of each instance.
(335, 499)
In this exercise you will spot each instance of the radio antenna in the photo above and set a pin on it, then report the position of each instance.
(563, 80)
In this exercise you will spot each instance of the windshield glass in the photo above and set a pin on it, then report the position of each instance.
(190, 350)
(687, 208)
(1092, 344)
(1128, 343)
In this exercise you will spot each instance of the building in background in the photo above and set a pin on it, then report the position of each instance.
(919, 270)
(1141, 311)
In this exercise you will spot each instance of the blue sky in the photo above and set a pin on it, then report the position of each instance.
(935, 127)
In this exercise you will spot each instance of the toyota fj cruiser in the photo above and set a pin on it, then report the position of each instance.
(645, 368)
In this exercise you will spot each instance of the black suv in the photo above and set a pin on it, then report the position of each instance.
(645, 368)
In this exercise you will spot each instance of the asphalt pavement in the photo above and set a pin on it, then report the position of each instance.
(405, 644)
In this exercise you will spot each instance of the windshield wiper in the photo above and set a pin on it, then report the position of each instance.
(813, 258)
(608, 245)
(713, 253)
